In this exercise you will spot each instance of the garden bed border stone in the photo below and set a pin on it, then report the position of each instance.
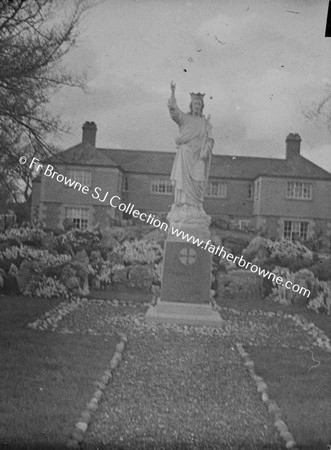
(322, 339)
(81, 426)
(271, 405)
(50, 320)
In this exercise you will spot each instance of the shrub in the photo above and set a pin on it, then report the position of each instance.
(322, 302)
(142, 252)
(286, 247)
(322, 270)
(235, 244)
(46, 287)
(18, 235)
(293, 255)
(320, 291)
(77, 239)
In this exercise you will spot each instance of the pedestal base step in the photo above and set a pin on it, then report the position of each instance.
(185, 314)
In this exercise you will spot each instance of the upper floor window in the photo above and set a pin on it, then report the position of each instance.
(84, 177)
(216, 189)
(294, 229)
(79, 216)
(300, 190)
(162, 186)
(257, 186)
(249, 191)
(125, 185)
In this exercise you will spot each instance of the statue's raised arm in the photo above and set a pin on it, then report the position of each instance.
(175, 112)
(191, 165)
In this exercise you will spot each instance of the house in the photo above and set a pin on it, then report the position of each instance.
(283, 197)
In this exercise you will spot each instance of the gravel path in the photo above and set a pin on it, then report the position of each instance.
(182, 387)
(181, 390)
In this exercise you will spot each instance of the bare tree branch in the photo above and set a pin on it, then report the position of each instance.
(35, 35)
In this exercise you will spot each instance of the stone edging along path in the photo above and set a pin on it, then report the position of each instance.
(51, 318)
(322, 339)
(81, 426)
(272, 406)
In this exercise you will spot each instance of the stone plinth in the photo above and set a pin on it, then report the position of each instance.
(184, 314)
(187, 266)
(186, 274)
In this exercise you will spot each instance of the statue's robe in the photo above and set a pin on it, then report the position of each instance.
(191, 166)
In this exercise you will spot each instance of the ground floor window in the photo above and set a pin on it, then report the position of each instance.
(161, 186)
(79, 216)
(216, 189)
(295, 229)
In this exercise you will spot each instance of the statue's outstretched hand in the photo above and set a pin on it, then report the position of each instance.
(173, 87)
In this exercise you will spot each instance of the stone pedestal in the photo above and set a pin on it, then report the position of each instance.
(187, 266)
(186, 273)
(186, 277)
(184, 314)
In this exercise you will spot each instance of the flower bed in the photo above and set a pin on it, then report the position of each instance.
(64, 264)
(292, 261)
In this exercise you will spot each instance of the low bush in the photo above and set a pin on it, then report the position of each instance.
(318, 297)
(322, 269)
(67, 264)
(235, 244)
(140, 252)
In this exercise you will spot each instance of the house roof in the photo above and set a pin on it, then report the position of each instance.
(251, 167)
(84, 154)
(222, 166)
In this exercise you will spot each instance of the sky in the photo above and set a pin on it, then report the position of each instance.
(262, 64)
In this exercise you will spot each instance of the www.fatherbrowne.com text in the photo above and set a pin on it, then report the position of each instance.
(115, 202)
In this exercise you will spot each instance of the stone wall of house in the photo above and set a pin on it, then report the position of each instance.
(51, 213)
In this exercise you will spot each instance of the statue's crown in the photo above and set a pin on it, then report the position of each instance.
(197, 96)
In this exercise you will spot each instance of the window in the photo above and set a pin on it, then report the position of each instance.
(257, 190)
(84, 177)
(162, 186)
(216, 189)
(300, 190)
(249, 191)
(244, 224)
(295, 229)
(125, 184)
(79, 216)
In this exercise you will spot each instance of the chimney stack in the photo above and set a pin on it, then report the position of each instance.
(293, 145)
(89, 133)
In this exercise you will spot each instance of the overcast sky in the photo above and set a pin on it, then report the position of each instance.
(261, 63)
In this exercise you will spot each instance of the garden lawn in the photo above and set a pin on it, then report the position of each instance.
(46, 377)
(303, 395)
